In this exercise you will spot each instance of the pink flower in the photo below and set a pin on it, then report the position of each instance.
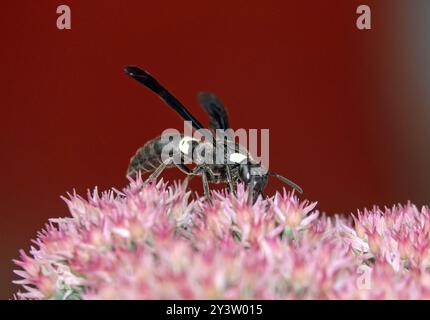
(291, 212)
(155, 242)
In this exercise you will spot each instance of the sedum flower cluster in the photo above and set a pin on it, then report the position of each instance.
(159, 241)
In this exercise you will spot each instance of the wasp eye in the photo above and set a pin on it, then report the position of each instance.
(245, 174)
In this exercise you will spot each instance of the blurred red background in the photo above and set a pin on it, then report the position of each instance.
(347, 109)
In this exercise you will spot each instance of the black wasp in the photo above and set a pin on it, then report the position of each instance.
(238, 166)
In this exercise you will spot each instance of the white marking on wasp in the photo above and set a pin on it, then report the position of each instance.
(185, 144)
(237, 157)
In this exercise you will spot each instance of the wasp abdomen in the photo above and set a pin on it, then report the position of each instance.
(147, 158)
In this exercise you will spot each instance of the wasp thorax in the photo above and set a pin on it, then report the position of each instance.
(204, 153)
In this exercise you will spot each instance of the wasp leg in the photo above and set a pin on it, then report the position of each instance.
(190, 174)
(206, 186)
(158, 171)
(203, 172)
(230, 181)
(251, 191)
(183, 168)
(187, 180)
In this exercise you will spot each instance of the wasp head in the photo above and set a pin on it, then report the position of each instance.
(255, 177)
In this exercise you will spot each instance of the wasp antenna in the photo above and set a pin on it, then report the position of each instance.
(287, 181)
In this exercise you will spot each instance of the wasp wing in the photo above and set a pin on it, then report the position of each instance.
(215, 109)
(151, 83)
